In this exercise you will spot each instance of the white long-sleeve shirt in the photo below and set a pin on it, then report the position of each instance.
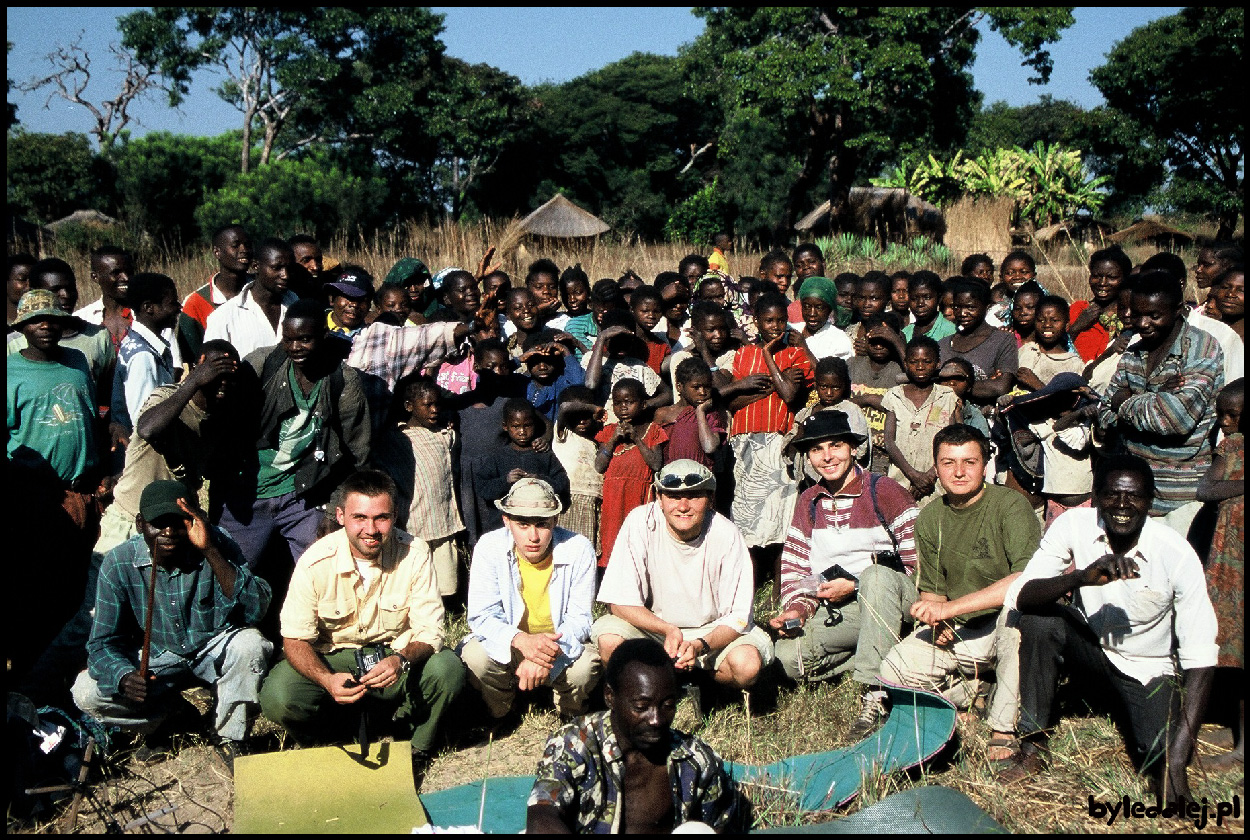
(1138, 620)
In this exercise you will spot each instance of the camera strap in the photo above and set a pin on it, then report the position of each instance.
(876, 508)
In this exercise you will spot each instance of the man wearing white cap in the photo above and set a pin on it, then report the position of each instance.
(531, 587)
(680, 574)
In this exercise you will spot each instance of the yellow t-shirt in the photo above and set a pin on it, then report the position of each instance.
(535, 578)
(717, 260)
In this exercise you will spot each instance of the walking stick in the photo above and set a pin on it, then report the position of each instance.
(146, 652)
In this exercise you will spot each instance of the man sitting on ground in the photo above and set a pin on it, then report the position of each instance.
(367, 589)
(626, 770)
(531, 588)
(205, 605)
(680, 574)
(973, 542)
(864, 524)
(1139, 595)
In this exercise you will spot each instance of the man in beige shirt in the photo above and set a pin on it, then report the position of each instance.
(363, 623)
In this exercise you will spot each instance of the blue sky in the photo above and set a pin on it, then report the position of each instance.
(535, 44)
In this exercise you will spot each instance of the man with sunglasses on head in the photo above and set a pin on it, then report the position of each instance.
(680, 574)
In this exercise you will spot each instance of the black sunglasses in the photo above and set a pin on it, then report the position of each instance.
(674, 482)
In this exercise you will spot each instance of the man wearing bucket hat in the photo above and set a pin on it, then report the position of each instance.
(531, 587)
(205, 606)
(51, 450)
(680, 574)
(51, 398)
(851, 548)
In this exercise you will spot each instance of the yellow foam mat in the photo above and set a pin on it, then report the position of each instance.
(326, 790)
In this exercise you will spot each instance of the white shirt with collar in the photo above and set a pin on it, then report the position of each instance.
(1232, 345)
(243, 322)
(1137, 621)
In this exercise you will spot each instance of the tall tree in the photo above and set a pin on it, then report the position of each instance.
(269, 57)
(617, 140)
(1177, 87)
(853, 85)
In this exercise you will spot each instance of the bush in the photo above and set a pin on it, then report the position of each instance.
(294, 196)
(52, 175)
(697, 218)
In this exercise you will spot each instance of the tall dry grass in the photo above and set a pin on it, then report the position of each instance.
(974, 226)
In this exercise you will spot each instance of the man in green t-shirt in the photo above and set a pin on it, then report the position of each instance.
(971, 545)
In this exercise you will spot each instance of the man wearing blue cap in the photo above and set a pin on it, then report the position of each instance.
(204, 609)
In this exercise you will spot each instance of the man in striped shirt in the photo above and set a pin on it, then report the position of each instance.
(1161, 400)
(858, 530)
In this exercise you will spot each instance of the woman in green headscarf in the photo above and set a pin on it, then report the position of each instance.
(818, 298)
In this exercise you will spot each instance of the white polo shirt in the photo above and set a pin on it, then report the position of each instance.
(243, 323)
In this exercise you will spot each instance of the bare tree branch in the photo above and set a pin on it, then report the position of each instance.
(71, 75)
(694, 155)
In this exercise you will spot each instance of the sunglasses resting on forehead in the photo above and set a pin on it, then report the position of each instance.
(676, 482)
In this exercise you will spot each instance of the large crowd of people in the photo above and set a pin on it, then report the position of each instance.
(284, 485)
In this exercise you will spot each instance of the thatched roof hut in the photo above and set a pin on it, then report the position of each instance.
(1154, 232)
(562, 219)
(1072, 230)
(91, 218)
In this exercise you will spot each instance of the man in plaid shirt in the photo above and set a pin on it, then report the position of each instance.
(206, 601)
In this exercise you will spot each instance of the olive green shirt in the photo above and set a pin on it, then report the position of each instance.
(964, 551)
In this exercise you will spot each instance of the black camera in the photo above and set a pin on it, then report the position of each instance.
(836, 572)
(367, 658)
(889, 559)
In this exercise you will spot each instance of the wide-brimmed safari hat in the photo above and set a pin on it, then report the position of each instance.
(530, 498)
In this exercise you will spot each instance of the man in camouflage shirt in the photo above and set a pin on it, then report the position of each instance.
(626, 770)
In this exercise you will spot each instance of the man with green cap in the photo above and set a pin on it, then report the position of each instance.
(818, 298)
(206, 603)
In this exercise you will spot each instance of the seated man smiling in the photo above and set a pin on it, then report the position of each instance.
(680, 574)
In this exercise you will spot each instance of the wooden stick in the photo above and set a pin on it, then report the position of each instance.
(71, 817)
(146, 652)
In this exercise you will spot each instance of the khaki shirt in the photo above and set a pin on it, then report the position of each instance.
(328, 606)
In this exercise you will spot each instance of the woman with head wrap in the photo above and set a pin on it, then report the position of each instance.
(818, 298)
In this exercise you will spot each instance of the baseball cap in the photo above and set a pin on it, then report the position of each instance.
(160, 498)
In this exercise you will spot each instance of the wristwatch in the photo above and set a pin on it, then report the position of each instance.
(706, 647)
(404, 664)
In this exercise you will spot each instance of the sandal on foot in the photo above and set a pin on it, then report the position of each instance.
(1008, 742)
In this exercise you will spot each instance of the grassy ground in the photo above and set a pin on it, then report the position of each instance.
(1089, 760)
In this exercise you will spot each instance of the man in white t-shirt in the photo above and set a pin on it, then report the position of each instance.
(680, 574)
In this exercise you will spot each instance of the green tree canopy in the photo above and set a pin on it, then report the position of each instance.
(855, 86)
(52, 175)
(1176, 94)
(1049, 120)
(614, 140)
(309, 195)
(162, 178)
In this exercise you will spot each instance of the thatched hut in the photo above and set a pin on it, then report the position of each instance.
(1082, 229)
(887, 214)
(87, 218)
(562, 219)
(1154, 232)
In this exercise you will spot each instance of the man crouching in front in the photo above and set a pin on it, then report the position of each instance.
(627, 770)
(369, 587)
